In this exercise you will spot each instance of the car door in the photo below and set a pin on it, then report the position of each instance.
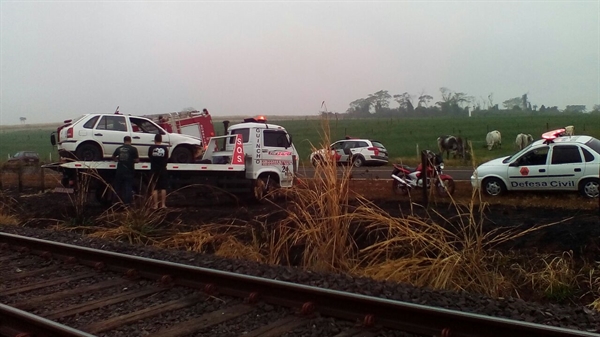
(142, 135)
(338, 148)
(110, 131)
(345, 151)
(277, 151)
(566, 167)
(530, 170)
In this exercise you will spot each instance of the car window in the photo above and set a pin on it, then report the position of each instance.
(143, 125)
(362, 144)
(594, 144)
(537, 156)
(90, 124)
(587, 155)
(275, 138)
(348, 145)
(338, 146)
(378, 144)
(244, 132)
(114, 123)
(565, 154)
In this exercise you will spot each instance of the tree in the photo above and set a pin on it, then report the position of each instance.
(22, 119)
(453, 102)
(513, 102)
(361, 107)
(405, 102)
(424, 100)
(380, 100)
(522, 103)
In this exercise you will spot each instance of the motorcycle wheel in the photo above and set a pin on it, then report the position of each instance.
(399, 188)
(445, 188)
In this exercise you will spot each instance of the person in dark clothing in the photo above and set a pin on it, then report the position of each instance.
(159, 156)
(126, 156)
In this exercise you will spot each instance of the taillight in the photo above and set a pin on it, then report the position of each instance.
(374, 149)
(70, 133)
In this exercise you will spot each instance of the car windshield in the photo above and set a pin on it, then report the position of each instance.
(594, 144)
(516, 155)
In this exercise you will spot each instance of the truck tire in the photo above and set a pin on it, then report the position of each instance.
(264, 187)
(182, 155)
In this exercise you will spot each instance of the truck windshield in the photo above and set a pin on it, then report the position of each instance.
(276, 139)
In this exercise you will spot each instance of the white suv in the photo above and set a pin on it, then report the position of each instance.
(95, 137)
(357, 152)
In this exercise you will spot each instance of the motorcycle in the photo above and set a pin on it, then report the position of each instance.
(407, 178)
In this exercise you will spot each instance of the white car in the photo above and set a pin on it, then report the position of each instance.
(95, 137)
(556, 162)
(357, 152)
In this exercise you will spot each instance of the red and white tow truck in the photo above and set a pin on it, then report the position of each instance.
(253, 158)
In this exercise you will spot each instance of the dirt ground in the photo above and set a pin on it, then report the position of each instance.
(578, 230)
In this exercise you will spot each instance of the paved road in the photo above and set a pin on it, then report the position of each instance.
(384, 172)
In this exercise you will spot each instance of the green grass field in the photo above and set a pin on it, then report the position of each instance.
(29, 139)
(401, 136)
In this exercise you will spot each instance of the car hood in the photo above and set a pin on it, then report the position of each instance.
(179, 138)
(494, 162)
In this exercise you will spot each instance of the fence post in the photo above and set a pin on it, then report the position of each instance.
(424, 165)
(20, 177)
(42, 181)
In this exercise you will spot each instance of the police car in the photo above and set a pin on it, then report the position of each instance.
(555, 162)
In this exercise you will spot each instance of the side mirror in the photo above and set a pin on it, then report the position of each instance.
(53, 139)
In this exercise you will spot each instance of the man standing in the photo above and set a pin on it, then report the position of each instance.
(126, 156)
(159, 156)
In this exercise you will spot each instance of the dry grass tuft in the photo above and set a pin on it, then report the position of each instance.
(139, 224)
(7, 211)
(554, 276)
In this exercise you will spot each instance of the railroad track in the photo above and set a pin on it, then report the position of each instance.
(54, 289)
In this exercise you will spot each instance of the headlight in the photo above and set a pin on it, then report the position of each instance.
(441, 166)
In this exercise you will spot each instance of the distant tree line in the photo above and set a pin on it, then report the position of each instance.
(452, 104)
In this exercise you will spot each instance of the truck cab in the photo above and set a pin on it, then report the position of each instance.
(267, 147)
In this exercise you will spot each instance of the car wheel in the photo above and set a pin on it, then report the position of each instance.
(398, 188)
(316, 161)
(445, 187)
(590, 188)
(182, 155)
(493, 186)
(89, 152)
(358, 161)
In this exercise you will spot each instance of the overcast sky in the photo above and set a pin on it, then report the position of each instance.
(62, 59)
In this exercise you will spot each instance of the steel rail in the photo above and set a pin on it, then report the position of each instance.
(413, 318)
(30, 324)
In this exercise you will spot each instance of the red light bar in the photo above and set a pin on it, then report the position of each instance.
(550, 135)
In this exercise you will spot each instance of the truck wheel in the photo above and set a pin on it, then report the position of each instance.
(89, 152)
(264, 187)
(590, 188)
(182, 155)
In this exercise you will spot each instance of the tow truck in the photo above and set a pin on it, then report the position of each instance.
(254, 158)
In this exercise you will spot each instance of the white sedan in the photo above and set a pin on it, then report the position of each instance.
(556, 162)
(94, 137)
